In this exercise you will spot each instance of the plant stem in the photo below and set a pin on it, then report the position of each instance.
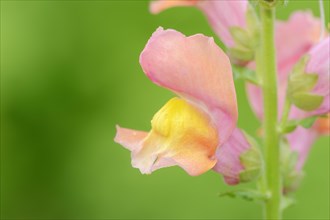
(271, 137)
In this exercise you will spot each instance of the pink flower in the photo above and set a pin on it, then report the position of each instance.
(319, 63)
(290, 48)
(302, 139)
(222, 15)
(297, 37)
(187, 130)
(232, 162)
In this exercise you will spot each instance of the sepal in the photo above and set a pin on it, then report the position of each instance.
(293, 124)
(307, 101)
(300, 85)
(252, 162)
(287, 202)
(245, 74)
(269, 4)
(246, 39)
(291, 176)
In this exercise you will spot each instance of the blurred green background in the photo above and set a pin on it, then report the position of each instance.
(69, 73)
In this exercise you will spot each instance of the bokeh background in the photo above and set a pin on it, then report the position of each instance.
(69, 74)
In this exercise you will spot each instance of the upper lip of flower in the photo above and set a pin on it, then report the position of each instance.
(196, 69)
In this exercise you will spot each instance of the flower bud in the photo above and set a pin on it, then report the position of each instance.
(238, 159)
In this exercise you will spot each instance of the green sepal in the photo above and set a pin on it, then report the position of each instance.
(289, 127)
(299, 67)
(292, 124)
(300, 85)
(289, 159)
(308, 122)
(287, 202)
(253, 27)
(246, 39)
(307, 101)
(245, 74)
(246, 194)
(249, 174)
(241, 53)
(252, 20)
(251, 160)
(269, 4)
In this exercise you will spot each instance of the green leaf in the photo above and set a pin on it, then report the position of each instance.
(306, 101)
(249, 195)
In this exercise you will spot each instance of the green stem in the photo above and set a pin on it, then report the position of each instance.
(271, 137)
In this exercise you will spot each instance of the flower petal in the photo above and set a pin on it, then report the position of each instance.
(223, 15)
(295, 38)
(130, 139)
(160, 5)
(301, 141)
(319, 64)
(181, 135)
(133, 141)
(196, 69)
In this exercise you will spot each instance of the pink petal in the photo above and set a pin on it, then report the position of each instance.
(196, 69)
(161, 5)
(294, 38)
(228, 155)
(301, 141)
(255, 97)
(319, 63)
(225, 14)
(130, 139)
(133, 141)
(221, 14)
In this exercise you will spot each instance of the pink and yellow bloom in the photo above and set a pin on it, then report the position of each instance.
(189, 130)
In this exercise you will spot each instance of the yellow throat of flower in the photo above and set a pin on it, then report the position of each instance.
(180, 132)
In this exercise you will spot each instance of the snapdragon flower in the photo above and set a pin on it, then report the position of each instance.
(196, 130)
